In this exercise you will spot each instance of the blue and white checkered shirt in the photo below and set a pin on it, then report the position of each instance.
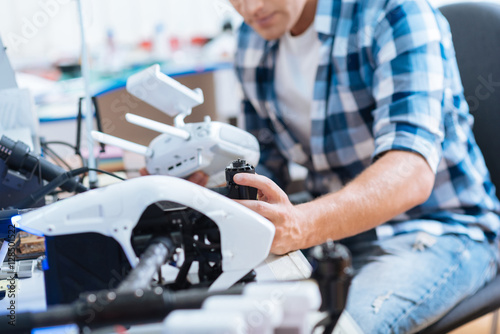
(387, 80)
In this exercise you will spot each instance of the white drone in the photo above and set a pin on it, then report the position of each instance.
(182, 149)
(114, 211)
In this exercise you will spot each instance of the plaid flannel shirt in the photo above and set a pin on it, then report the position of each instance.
(387, 80)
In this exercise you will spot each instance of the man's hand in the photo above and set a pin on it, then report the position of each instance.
(198, 178)
(274, 205)
(395, 183)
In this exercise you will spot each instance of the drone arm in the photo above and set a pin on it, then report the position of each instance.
(122, 143)
(157, 126)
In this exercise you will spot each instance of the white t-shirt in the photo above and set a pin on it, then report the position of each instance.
(295, 73)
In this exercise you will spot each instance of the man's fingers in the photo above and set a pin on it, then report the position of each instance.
(268, 188)
(261, 196)
(262, 208)
(198, 178)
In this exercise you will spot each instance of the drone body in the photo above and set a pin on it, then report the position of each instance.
(183, 149)
(115, 211)
(210, 148)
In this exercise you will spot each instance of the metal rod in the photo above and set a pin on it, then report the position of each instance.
(89, 115)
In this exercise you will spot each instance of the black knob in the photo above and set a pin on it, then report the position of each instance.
(239, 163)
(333, 271)
(236, 191)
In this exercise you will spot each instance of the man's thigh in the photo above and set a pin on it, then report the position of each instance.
(404, 284)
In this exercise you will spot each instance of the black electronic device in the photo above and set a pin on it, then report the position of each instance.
(233, 190)
(14, 187)
(23, 172)
(333, 271)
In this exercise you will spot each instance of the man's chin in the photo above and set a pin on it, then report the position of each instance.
(270, 34)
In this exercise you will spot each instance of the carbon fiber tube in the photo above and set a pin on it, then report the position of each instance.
(107, 308)
(157, 253)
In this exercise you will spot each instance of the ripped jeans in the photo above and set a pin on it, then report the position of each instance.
(405, 283)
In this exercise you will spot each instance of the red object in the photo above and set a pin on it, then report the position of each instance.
(146, 45)
(120, 329)
(174, 43)
(199, 41)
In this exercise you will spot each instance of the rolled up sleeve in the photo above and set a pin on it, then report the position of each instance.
(408, 82)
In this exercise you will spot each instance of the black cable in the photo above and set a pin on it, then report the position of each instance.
(95, 113)
(77, 152)
(47, 154)
(59, 143)
(44, 145)
(56, 156)
(56, 182)
(79, 125)
(106, 172)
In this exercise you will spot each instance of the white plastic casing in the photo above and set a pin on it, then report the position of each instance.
(279, 307)
(206, 146)
(261, 314)
(298, 298)
(114, 211)
(211, 147)
(206, 322)
(163, 92)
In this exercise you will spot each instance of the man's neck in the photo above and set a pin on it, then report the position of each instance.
(306, 18)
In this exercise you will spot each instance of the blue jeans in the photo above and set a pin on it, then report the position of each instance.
(408, 282)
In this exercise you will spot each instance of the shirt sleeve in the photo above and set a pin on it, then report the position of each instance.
(408, 81)
(272, 163)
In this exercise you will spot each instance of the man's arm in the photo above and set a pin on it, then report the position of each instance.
(408, 87)
(395, 183)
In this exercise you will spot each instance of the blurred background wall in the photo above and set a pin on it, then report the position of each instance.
(37, 31)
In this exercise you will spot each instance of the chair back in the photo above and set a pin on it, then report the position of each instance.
(475, 27)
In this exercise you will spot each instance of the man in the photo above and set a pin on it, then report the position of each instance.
(367, 96)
